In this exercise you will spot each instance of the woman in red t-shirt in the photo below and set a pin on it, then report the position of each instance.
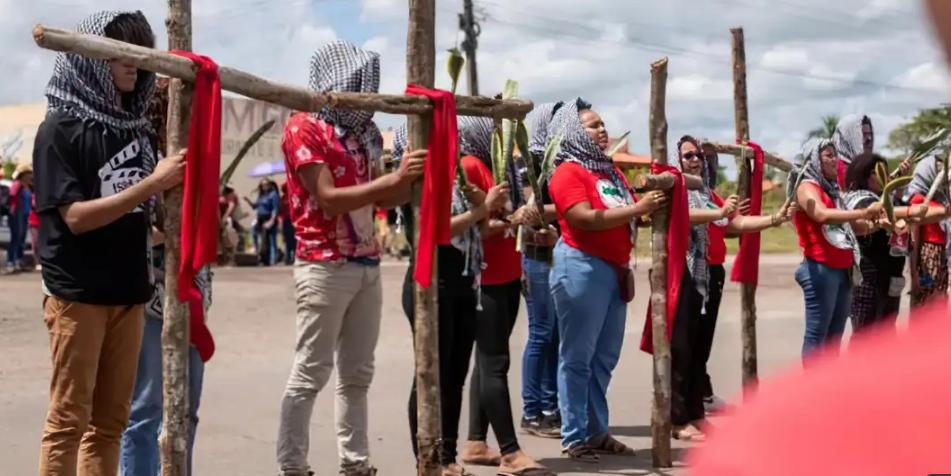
(597, 212)
(712, 218)
(489, 399)
(829, 245)
(929, 259)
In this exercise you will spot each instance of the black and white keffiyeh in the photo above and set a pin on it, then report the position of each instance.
(578, 147)
(475, 138)
(343, 67)
(469, 242)
(83, 87)
(926, 172)
(537, 123)
(812, 166)
(848, 138)
(698, 240)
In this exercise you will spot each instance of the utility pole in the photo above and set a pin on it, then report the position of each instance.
(472, 29)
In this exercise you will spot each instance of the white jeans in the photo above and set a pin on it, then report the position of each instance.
(338, 318)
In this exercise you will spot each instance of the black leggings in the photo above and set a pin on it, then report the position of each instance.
(457, 317)
(489, 400)
(708, 322)
(687, 366)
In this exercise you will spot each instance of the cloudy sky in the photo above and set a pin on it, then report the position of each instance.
(807, 58)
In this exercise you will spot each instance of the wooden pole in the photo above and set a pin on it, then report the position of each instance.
(421, 69)
(660, 219)
(771, 159)
(742, 124)
(293, 97)
(174, 439)
(665, 181)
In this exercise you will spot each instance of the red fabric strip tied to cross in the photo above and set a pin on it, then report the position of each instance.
(199, 229)
(746, 264)
(435, 209)
(677, 236)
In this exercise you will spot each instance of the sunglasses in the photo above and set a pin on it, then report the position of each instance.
(693, 155)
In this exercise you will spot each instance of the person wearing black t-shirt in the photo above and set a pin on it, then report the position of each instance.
(95, 174)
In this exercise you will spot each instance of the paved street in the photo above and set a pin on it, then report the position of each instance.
(253, 320)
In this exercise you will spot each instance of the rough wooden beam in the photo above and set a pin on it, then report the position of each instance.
(246, 84)
(660, 219)
(421, 69)
(175, 340)
(665, 181)
(737, 150)
(747, 290)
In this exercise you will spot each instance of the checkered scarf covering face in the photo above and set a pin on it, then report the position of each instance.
(469, 242)
(848, 138)
(537, 123)
(475, 137)
(83, 87)
(577, 146)
(343, 67)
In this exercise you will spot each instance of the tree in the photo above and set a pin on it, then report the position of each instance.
(825, 131)
(906, 137)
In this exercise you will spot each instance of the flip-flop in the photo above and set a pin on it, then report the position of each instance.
(532, 471)
(683, 434)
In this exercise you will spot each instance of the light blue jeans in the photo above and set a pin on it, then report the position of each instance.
(139, 450)
(828, 295)
(591, 318)
(540, 359)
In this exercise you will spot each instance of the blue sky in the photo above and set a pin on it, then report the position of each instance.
(807, 58)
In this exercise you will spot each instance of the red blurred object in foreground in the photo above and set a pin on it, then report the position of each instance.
(882, 408)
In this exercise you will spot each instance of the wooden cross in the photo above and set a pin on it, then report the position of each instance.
(743, 153)
(420, 68)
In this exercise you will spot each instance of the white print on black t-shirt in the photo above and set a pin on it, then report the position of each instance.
(115, 178)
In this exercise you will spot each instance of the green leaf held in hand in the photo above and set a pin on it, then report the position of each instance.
(454, 65)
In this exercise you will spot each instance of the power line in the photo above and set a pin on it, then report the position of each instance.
(676, 50)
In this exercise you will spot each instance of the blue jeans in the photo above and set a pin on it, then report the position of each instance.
(828, 295)
(540, 359)
(19, 226)
(591, 318)
(139, 451)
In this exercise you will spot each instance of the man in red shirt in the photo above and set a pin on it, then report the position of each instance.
(334, 179)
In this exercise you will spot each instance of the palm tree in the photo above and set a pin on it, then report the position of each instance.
(829, 122)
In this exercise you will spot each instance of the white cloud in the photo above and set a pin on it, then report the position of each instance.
(929, 76)
(698, 87)
(786, 58)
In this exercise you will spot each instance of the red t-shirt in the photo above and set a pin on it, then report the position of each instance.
(932, 232)
(812, 240)
(716, 249)
(321, 237)
(572, 184)
(503, 263)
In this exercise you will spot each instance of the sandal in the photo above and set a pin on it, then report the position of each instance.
(611, 446)
(581, 452)
(455, 469)
(486, 457)
(530, 471)
(688, 433)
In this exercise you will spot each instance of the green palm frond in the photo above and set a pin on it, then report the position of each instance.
(229, 171)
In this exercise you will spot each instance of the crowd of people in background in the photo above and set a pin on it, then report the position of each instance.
(573, 266)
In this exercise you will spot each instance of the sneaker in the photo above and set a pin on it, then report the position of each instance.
(554, 419)
(714, 404)
(541, 427)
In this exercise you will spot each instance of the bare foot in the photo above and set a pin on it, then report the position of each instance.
(479, 454)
